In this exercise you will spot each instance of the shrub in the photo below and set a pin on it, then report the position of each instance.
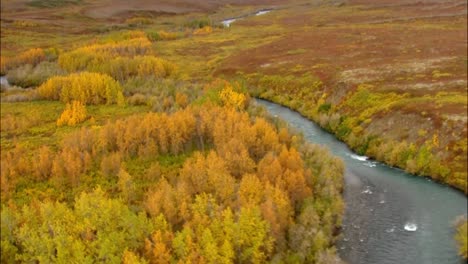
(231, 98)
(27, 75)
(31, 56)
(86, 87)
(5, 63)
(163, 35)
(122, 68)
(203, 31)
(139, 21)
(324, 108)
(137, 99)
(117, 36)
(199, 23)
(90, 57)
(462, 238)
(17, 94)
(74, 113)
(120, 60)
(24, 23)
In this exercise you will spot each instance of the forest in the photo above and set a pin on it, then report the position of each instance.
(130, 135)
(207, 178)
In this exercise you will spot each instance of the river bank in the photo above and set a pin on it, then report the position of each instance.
(391, 216)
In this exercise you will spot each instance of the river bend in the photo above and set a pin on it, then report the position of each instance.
(391, 216)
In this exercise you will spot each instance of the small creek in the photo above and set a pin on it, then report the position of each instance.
(228, 22)
(391, 216)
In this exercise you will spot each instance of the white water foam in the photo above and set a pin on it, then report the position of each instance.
(367, 190)
(358, 157)
(411, 227)
(370, 164)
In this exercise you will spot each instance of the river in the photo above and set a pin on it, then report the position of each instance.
(391, 216)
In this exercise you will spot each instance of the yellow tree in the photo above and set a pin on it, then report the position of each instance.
(231, 98)
(237, 157)
(157, 248)
(277, 210)
(43, 164)
(253, 241)
(74, 113)
(126, 185)
(181, 99)
(250, 190)
(131, 258)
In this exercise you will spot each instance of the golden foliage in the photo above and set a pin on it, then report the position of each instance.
(130, 47)
(69, 165)
(126, 185)
(5, 63)
(231, 98)
(43, 163)
(74, 113)
(131, 258)
(123, 59)
(163, 35)
(31, 56)
(233, 202)
(203, 31)
(133, 34)
(13, 164)
(119, 67)
(157, 249)
(110, 164)
(181, 99)
(86, 87)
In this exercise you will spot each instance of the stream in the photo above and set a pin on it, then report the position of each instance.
(390, 216)
(229, 21)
